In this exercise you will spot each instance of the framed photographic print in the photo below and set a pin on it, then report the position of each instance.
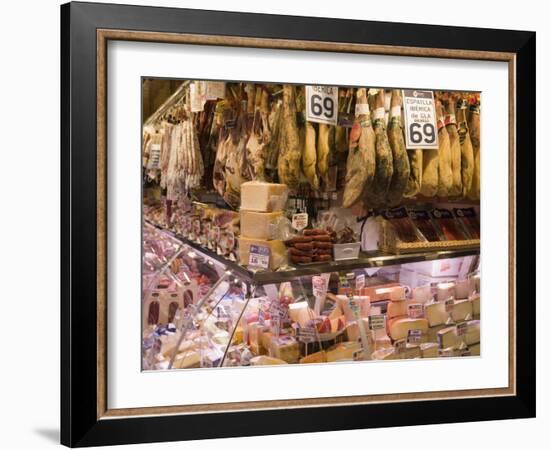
(276, 224)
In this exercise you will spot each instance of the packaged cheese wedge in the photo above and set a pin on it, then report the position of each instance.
(263, 197)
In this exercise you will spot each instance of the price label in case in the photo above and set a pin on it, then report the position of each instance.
(415, 310)
(377, 321)
(360, 281)
(461, 328)
(299, 221)
(420, 119)
(322, 104)
(414, 336)
(306, 334)
(259, 257)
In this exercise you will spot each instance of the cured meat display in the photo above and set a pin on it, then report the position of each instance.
(361, 162)
(292, 224)
(401, 167)
(376, 195)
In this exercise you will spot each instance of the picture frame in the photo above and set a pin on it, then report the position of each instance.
(86, 28)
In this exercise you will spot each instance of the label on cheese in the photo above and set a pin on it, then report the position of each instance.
(258, 257)
(414, 336)
(377, 322)
(299, 221)
(461, 328)
(306, 334)
(154, 157)
(415, 310)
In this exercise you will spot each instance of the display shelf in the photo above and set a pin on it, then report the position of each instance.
(365, 260)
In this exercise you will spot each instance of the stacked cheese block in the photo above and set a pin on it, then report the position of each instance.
(262, 208)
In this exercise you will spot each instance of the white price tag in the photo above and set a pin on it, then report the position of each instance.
(259, 256)
(215, 90)
(414, 336)
(377, 321)
(306, 334)
(197, 94)
(299, 221)
(154, 157)
(272, 292)
(322, 104)
(461, 328)
(420, 120)
(415, 310)
(319, 286)
(360, 281)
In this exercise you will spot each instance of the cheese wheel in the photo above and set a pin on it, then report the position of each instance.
(399, 327)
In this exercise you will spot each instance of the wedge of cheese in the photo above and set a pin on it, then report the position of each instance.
(187, 360)
(476, 307)
(435, 313)
(475, 349)
(429, 350)
(472, 335)
(285, 348)
(260, 225)
(264, 360)
(384, 353)
(262, 196)
(317, 357)
(397, 308)
(447, 337)
(398, 328)
(301, 313)
(277, 251)
(343, 351)
(462, 310)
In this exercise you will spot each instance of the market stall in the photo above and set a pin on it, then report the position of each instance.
(291, 224)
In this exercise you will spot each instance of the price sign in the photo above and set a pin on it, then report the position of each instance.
(215, 90)
(319, 285)
(154, 157)
(377, 321)
(306, 334)
(197, 94)
(449, 305)
(461, 328)
(322, 104)
(415, 310)
(420, 119)
(299, 221)
(258, 257)
(414, 336)
(360, 281)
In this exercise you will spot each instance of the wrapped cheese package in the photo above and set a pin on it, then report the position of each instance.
(263, 197)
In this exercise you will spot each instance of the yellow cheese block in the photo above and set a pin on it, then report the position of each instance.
(318, 357)
(384, 353)
(472, 335)
(264, 360)
(447, 337)
(342, 351)
(187, 360)
(476, 307)
(262, 196)
(300, 313)
(462, 310)
(432, 332)
(398, 328)
(285, 348)
(352, 329)
(260, 225)
(277, 251)
(429, 350)
(462, 288)
(397, 308)
(435, 313)
(475, 349)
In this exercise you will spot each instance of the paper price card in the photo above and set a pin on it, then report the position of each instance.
(306, 334)
(461, 328)
(415, 310)
(322, 104)
(360, 281)
(420, 119)
(258, 257)
(414, 336)
(377, 322)
(299, 221)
